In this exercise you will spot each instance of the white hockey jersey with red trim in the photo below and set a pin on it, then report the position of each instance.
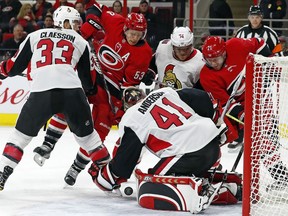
(174, 73)
(52, 56)
(167, 125)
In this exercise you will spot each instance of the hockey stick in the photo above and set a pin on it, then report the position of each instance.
(238, 158)
(99, 71)
(235, 119)
(231, 98)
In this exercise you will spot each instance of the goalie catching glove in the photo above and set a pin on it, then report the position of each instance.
(104, 178)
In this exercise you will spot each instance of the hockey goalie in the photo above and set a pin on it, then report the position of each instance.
(174, 126)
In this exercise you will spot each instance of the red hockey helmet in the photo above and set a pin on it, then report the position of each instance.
(213, 47)
(136, 22)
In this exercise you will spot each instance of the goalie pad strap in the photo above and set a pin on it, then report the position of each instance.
(215, 176)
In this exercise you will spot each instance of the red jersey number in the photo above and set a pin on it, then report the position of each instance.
(47, 46)
(165, 119)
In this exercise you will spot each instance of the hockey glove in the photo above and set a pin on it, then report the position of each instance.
(148, 77)
(103, 177)
(91, 26)
(3, 72)
(91, 92)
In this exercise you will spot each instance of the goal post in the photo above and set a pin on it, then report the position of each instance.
(265, 176)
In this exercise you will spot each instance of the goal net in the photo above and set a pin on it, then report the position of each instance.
(265, 187)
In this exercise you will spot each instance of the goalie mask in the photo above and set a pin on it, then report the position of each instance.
(63, 13)
(131, 96)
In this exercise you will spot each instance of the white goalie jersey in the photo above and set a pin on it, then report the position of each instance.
(167, 125)
(174, 73)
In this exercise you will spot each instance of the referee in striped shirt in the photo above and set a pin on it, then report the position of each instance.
(255, 28)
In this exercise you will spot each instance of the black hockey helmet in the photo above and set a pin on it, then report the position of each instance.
(255, 10)
(131, 96)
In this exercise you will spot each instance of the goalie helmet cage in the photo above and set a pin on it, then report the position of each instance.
(265, 179)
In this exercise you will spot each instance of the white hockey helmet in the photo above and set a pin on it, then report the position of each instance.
(63, 13)
(182, 37)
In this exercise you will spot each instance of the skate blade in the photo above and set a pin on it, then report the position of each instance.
(39, 159)
(235, 150)
(67, 186)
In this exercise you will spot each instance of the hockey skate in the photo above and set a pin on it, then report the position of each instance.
(234, 146)
(4, 176)
(208, 193)
(41, 154)
(72, 174)
(279, 173)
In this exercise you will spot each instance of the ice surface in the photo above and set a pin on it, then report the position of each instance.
(33, 190)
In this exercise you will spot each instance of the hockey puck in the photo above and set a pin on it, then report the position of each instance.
(128, 191)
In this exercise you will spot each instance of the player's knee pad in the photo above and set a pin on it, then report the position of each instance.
(89, 142)
(13, 150)
(19, 139)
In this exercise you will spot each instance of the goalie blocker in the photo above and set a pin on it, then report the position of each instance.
(185, 193)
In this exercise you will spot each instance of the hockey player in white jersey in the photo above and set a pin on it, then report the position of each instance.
(176, 62)
(52, 56)
(173, 126)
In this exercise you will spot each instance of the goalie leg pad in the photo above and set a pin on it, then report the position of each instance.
(161, 197)
(174, 193)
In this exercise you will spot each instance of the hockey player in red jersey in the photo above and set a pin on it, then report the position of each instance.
(54, 57)
(225, 62)
(170, 124)
(124, 58)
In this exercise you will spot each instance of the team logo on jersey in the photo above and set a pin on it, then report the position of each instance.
(170, 78)
(109, 58)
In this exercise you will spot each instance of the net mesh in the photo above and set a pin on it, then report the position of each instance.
(269, 157)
